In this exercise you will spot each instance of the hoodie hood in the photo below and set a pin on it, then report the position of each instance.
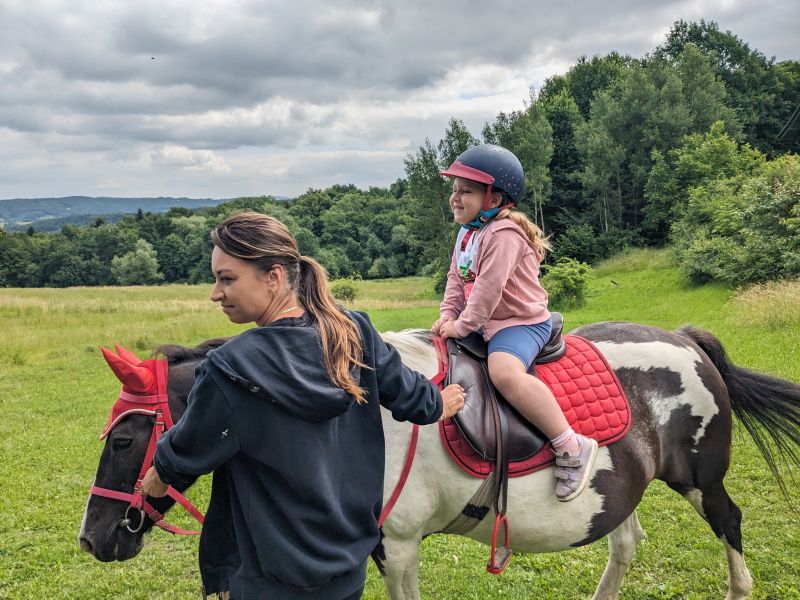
(281, 363)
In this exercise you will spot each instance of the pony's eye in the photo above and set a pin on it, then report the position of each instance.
(121, 443)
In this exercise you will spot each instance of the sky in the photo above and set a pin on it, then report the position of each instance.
(228, 98)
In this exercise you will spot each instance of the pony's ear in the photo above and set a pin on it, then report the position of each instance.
(128, 355)
(134, 377)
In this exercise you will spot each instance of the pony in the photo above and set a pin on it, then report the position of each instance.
(683, 391)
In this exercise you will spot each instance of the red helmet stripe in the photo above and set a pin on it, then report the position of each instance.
(458, 169)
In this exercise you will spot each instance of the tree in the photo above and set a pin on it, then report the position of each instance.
(701, 159)
(704, 92)
(587, 78)
(429, 194)
(566, 198)
(531, 140)
(139, 267)
(752, 84)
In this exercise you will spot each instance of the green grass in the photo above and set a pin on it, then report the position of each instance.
(56, 392)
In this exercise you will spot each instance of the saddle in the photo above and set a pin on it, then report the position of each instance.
(476, 420)
(500, 443)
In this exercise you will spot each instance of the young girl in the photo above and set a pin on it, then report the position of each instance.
(493, 288)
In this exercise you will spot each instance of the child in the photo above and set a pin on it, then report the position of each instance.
(493, 288)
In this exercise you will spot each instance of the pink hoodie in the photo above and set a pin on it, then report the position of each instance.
(506, 290)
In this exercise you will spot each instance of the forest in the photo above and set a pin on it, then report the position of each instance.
(681, 147)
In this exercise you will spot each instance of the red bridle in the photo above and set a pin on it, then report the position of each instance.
(156, 405)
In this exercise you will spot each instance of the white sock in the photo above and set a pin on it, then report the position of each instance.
(567, 441)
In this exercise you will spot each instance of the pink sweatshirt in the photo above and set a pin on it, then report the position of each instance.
(506, 288)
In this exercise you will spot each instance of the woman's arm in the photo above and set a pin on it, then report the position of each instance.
(203, 439)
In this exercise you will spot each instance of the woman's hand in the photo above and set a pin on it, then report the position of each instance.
(452, 400)
(152, 485)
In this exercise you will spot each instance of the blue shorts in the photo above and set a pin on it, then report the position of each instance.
(522, 341)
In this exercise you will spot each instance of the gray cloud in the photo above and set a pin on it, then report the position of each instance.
(193, 95)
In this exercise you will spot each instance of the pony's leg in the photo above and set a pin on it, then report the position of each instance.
(725, 518)
(622, 543)
(400, 567)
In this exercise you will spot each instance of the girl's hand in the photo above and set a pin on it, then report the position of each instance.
(448, 329)
(452, 400)
(437, 325)
(152, 485)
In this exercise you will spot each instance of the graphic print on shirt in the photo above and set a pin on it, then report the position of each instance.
(466, 257)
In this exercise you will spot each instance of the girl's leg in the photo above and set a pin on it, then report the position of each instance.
(575, 453)
(527, 394)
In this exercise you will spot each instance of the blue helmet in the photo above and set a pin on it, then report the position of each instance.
(492, 165)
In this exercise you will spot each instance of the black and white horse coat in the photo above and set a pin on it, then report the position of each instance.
(683, 393)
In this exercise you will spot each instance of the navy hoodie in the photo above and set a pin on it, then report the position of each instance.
(298, 464)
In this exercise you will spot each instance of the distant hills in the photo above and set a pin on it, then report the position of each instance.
(50, 214)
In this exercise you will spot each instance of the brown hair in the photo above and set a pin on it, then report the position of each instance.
(266, 242)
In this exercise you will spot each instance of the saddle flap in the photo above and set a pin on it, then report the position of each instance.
(475, 420)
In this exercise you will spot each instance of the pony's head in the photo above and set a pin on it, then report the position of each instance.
(105, 531)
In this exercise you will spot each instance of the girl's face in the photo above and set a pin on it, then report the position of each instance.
(242, 289)
(466, 200)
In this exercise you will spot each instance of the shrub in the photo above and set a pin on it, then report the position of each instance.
(345, 290)
(139, 267)
(579, 241)
(565, 283)
(439, 282)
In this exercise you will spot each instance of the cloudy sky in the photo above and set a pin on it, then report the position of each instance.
(225, 98)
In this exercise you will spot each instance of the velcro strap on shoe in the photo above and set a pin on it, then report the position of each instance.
(567, 475)
(567, 461)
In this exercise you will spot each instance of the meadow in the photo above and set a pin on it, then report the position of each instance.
(56, 392)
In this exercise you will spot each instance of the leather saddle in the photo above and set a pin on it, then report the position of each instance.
(476, 421)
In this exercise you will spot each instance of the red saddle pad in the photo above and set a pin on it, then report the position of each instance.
(588, 392)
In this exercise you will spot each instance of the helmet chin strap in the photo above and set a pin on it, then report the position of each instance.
(487, 199)
(486, 213)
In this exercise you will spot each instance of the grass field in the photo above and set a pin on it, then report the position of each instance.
(56, 392)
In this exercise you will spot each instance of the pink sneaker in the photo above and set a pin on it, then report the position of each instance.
(572, 474)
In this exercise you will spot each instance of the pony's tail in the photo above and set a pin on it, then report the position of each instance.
(768, 407)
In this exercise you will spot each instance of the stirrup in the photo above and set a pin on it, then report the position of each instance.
(501, 555)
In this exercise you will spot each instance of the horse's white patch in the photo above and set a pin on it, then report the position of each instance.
(740, 583)
(683, 361)
(695, 498)
(541, 522)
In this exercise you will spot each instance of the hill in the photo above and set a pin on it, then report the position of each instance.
(19, 213)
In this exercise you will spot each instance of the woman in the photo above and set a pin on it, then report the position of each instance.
(287, 417)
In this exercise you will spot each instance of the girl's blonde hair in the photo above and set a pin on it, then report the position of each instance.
(540, 243)
(265, 241)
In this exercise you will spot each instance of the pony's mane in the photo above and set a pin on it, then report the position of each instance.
(414, 345)
(176, 353)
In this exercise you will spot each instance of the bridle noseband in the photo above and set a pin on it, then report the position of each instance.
(156, 405)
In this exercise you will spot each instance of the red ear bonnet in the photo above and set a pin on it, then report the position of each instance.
(135, 378)
(127, 355)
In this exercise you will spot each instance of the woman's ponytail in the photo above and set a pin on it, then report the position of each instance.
(339, 336)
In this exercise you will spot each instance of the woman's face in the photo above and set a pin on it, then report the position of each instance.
(466, 200)
(243, 291)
